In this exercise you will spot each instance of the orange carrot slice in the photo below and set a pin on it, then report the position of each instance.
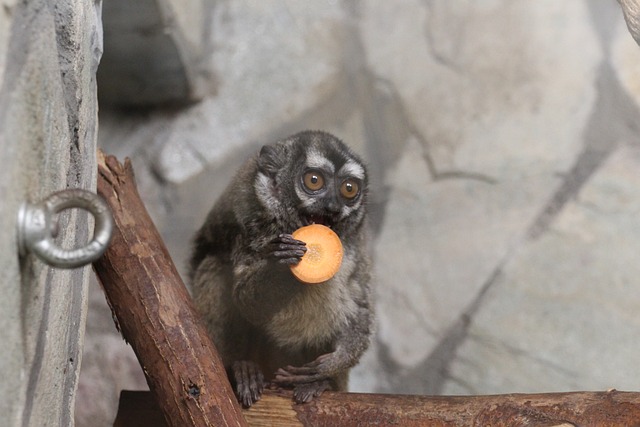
(323, 257)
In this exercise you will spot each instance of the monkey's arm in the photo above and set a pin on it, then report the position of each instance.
(349, 347)
(262, 279)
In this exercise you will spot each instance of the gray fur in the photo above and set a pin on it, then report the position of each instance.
(259, 316)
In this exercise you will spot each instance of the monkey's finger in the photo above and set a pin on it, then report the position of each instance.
(240, 376)
(282, 377)
(321, 386)
(304, 393)
(302, 370)
(303, 396)
(281, 247)
(256, 384)
(281, 372)
(289, 247)
(319, 390)
(289, 261)
(238, 372)
(321, 364)
(293, 379)
(288, 239)
(285, 378)
(240, 383)
(323, 358)
(288, 252)
(249, 382)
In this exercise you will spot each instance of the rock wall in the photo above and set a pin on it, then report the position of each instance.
(502, 139)
(49, 54)
(153, 52)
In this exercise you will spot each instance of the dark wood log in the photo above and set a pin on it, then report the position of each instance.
(154, 312)
(276, 408)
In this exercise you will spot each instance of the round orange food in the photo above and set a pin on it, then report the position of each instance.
(323, 257)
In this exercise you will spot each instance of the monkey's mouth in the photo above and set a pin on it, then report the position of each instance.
(318, 219)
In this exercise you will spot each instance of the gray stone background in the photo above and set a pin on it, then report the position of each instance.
(502, 137)
(49, 53)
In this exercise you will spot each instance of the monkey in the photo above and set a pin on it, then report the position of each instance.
(269, 328)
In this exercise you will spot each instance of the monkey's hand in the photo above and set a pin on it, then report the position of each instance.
(287, 250)
(309, 380)
(249, 382)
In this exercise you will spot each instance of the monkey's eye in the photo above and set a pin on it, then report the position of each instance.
(313, 180)
(349, 188)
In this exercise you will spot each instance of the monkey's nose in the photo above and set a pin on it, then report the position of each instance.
(333, 208)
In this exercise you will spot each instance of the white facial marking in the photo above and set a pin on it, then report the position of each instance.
(316, 160)
(305, 199)
(265, 191)
(353, 169)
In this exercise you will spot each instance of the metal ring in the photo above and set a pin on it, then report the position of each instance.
(37, 228)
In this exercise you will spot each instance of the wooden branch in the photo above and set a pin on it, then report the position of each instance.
(154, 312)
(611, 408)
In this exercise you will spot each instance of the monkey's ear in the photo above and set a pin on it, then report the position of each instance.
(272, 158)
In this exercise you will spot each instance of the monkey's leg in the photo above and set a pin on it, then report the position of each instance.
(249, 382)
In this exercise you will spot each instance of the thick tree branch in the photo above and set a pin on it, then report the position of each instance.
(155, 314)
(611, 408)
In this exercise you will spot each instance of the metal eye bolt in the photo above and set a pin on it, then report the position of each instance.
(38, 223)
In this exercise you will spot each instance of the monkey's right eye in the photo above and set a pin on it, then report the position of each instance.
(313, 180)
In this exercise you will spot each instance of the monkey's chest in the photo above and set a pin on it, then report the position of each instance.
(313, 318)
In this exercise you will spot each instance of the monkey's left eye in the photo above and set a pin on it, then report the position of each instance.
(313, 180)
(349, 188)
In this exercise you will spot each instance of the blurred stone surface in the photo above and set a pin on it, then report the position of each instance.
(154, 51)
(491, 137)
(490, 130)
(625, 58)
(273, 60)
(562, 314)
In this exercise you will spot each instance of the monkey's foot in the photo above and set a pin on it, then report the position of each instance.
(287, 250)
(309, 380)
(303, 393)
(249, 382)
(317, 370)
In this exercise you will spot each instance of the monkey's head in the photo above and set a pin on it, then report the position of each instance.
(312, 177)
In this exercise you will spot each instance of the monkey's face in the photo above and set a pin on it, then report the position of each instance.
(321, 182)
(328, 196)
